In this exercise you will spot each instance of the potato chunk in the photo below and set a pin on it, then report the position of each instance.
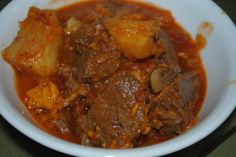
(44, 95)
(36, 45)
(136, 38)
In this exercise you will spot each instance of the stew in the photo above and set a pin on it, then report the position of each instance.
(113, 74)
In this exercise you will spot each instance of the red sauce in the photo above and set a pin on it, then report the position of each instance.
(186, 49)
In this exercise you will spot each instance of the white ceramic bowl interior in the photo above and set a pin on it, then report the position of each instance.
(218, 57)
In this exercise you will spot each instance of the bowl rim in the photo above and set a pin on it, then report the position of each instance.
(178, 143)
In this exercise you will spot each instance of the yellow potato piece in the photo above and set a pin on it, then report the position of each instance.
(44, 95)
(36, 46)
(136, 38)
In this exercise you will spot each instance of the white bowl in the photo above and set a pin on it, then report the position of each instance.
(218, 57)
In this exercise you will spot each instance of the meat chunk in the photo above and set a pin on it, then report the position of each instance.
(163, 76)
(172, 110)
(163, 40)
(94, 54)
(36, 46)
(64, 121)
(117, 117)
(92, 67)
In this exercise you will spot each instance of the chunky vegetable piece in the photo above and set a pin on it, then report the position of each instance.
(44, 95)
(136, 38)
(37, 44)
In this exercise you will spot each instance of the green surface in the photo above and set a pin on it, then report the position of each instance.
(226, 149)
(3, 3)
(221, 143)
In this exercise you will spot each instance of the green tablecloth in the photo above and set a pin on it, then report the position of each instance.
(220, 143)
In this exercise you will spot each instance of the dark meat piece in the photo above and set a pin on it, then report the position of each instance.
(163, 40)
(92, 67)
(172, 110)
(163, 76)
(117, 116)
(93, 53)
(64, 122)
